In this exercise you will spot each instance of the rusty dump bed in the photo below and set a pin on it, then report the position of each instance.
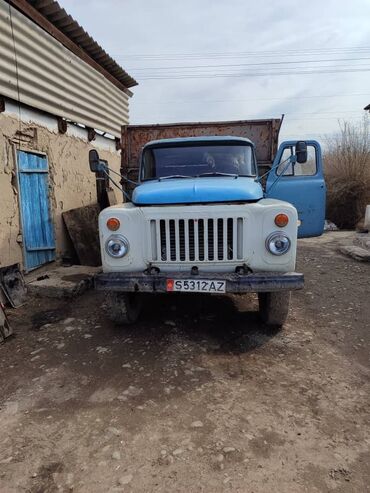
(264, 134)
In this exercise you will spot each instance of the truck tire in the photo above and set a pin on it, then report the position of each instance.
(274, 308)
(123, 308)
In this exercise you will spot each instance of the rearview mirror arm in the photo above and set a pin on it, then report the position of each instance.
(104, 170)
(290, 160)
(123, 177)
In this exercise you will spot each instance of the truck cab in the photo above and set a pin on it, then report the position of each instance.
(203, 218)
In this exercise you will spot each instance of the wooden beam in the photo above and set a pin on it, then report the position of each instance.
(62, 125)
(91, 134)
(118, 143)
(35, 16)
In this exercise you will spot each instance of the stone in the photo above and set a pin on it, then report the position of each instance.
(132, 391)
(37, 351)
(102, 350)
(116, 455)
(228, 450)
(178, 451)
(167, 460)
(114, 431)
(196, 424)
(125, 479)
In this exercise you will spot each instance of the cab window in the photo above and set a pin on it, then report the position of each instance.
(308, 168)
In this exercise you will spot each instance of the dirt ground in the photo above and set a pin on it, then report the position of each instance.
(197, 397)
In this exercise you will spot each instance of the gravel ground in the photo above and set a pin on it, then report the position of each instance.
(197, 397)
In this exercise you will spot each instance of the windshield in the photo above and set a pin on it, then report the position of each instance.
(197, 160)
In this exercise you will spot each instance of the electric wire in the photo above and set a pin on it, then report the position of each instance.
(289, 62)
(146, 102)
(243, 54)
(252, 74)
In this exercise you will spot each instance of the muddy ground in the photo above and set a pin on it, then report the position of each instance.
(198, 397)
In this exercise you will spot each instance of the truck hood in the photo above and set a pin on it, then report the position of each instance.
(198, 190)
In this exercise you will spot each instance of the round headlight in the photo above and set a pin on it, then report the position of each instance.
(117, 246)
(277, 243)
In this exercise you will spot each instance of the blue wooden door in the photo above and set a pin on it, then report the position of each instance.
(37, 225)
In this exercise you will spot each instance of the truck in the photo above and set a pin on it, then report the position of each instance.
(210, 208)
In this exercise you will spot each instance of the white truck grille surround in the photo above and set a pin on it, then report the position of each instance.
(216, 239)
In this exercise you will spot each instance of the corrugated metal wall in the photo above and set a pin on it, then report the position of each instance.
(53, 79)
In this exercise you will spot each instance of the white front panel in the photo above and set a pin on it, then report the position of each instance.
(215, 238)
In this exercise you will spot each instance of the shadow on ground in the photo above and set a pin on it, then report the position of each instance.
(230, 324)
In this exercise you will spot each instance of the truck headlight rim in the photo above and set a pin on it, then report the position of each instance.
(117, 246)
(278, 243)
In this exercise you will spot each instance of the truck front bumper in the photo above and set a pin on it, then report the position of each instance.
(235, 283)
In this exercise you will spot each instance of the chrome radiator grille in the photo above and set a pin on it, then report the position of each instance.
(197, 240)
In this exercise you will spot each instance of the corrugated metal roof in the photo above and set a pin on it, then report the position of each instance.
(55, 14)
(39, 71)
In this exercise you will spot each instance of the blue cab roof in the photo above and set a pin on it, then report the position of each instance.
(204, 139)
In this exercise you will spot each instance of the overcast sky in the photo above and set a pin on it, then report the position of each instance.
(205, 60)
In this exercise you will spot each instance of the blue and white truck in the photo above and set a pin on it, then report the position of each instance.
(216, 208)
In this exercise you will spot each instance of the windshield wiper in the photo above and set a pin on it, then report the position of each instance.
(217, 173)
(173, 176)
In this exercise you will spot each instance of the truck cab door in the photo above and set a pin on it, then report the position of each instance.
(301, 184)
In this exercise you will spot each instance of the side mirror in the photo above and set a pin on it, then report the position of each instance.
(301, 151)
(94, 161)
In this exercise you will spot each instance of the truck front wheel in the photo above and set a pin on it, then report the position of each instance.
(274, 308)
(123, 308)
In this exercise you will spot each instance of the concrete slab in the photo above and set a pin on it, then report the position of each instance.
(62, 282)
(356, 252)
(362, 240)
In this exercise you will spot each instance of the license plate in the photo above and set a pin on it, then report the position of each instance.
(196, 286)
